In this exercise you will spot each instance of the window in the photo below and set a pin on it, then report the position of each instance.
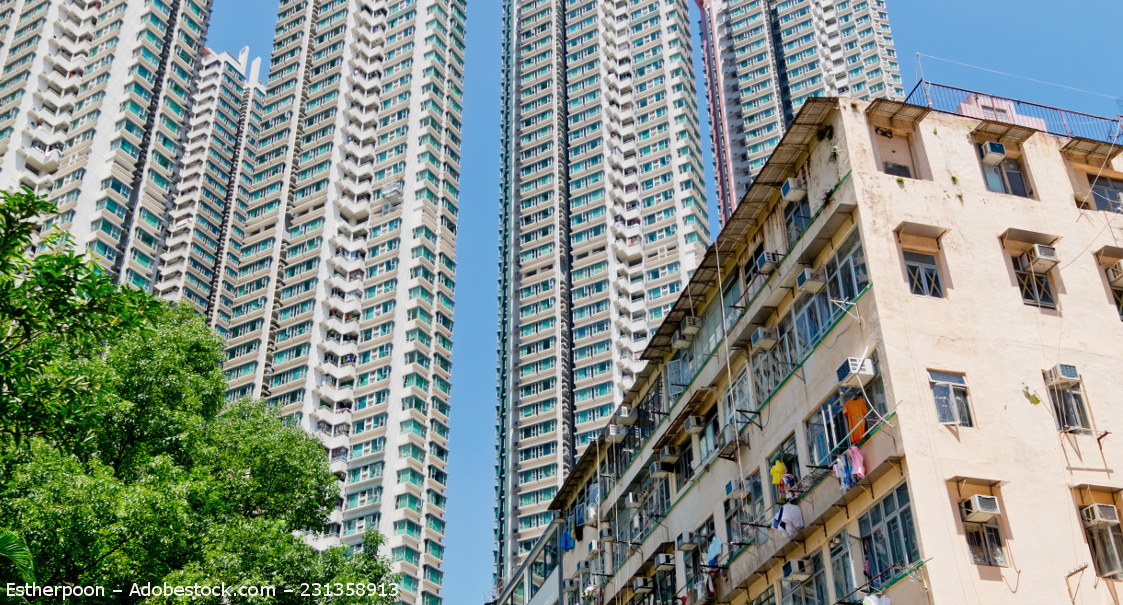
(828, 432)
(984, 543)
(846, 271)
(707, 440)
(1118, 295)
(888, 536)
(952, 403)
(1107, 194)
(1106, 543)
(1068, 407)
(797, 217)
(842, 566)
(768, 597)
(812, 591)
(924, 274)
(1036, 289)
(789, 455)
(894, 150)
(1006, 177)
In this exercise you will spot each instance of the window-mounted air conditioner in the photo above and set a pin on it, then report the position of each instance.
(594, 546)
(686, 541)
(642, 585)
(1062, 375)
(690, 325)
(669, 454)
(607, 534)
(727, 441)
(1099, 515)
(768, 261)
(809, 281)
(659, 469)
(793, 190)
(796, 570)
(584, 565)
(627, 415)
(979, 508)
(633, 500)
(665, 562)
(571, 585)
(694, 425)
(1115, 275)
(616, 433)
(855, 372)
(764, 338)
(1040, 259)
(680, 340)
(736, 488)
(993, 153)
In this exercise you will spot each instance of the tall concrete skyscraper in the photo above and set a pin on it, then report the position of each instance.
(94, 105)
(765, 58)
(603, 218)
(206, 223)
(341, 308)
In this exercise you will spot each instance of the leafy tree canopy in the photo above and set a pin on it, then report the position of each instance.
(121, 463)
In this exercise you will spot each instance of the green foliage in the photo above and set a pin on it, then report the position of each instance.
(120, 463)
(56, 299)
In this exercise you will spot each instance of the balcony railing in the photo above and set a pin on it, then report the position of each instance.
(1060, 122)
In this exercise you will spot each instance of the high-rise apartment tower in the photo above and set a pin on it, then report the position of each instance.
(206, 223)
(765, 58)
(341, 314)
(603, 217)
(94, 106)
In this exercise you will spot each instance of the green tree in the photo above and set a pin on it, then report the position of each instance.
(121, 463)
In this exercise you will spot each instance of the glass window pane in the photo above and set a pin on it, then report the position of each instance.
(945, 413)
(994, 179)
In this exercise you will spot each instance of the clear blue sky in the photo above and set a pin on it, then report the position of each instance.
(1075, 44)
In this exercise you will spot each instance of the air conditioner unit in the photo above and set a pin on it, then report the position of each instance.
(1115, 275)
(768, 261)
(1062, 375)
(680, 341)
(616, 433)
(1099, 515)
(584, 565)
(979, 508)
(694, 425)
(591, 515)
(764, 338)
(855, 372)
(993, 153)
(665, 562)
(659, 469)
(1040, 259)
(642, 585)
(810, 281)
(571, 585)
(701, 594)
(736, 488)
(633, 500)
(607, 534)
(793, 190)
(594, 546)
(685, 541)
(627, 415)
(797, 570)
(691, 325)
(668, 454)
(727, 441)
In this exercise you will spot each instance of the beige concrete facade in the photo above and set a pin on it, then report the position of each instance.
(726, 402)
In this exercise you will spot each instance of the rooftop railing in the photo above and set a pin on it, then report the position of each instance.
(1060, 122)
